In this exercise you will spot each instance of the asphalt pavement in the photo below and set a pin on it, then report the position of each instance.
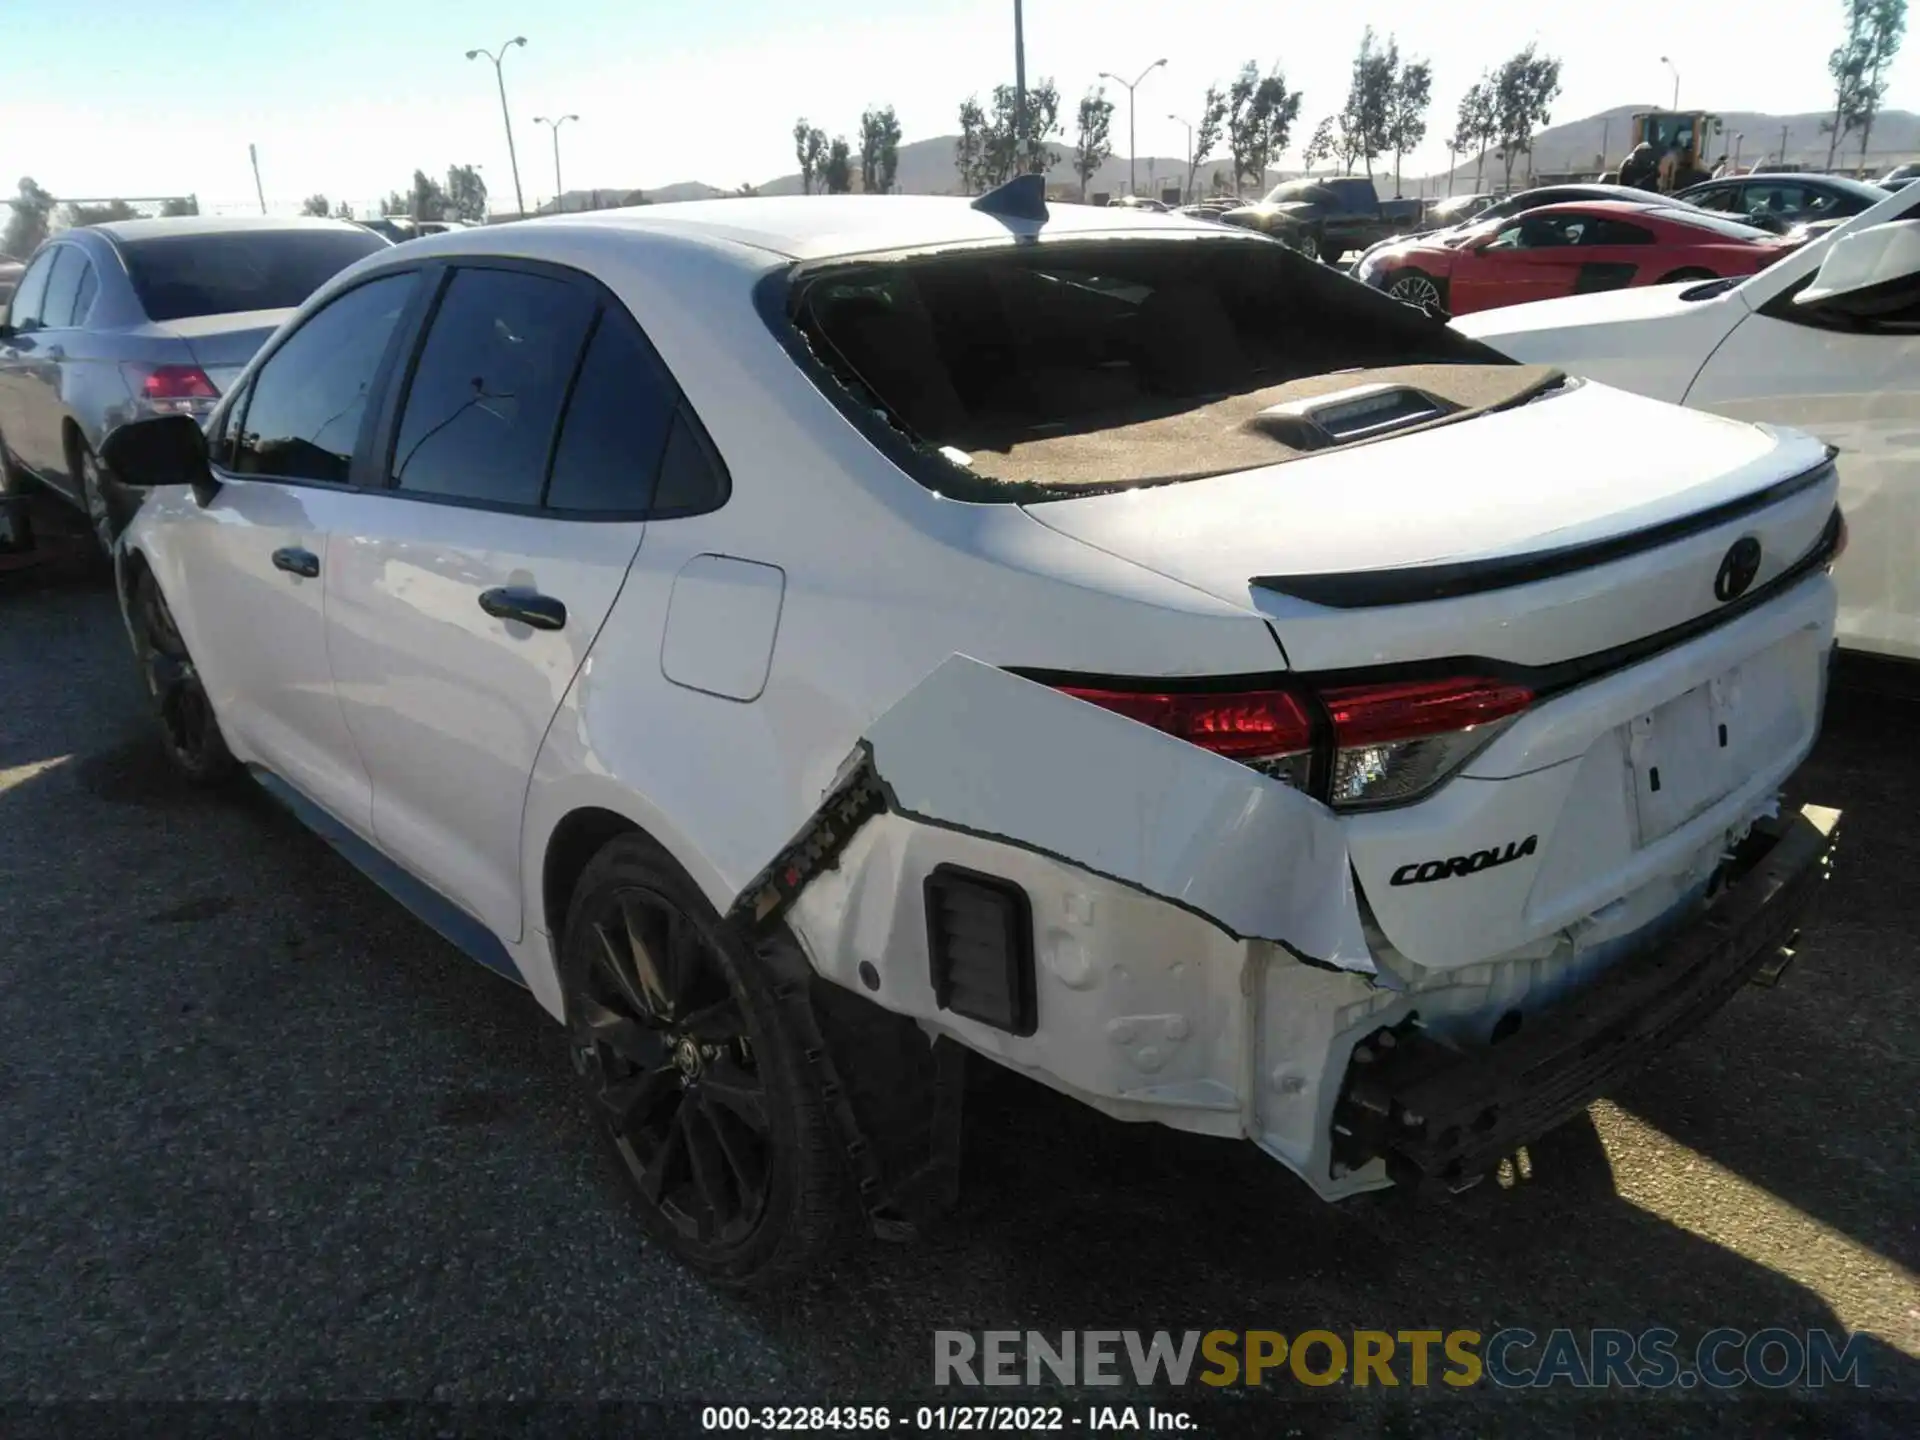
(263, 1137)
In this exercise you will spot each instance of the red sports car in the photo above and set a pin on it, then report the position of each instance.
(1571, 249)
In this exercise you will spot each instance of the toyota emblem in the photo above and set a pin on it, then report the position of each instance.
(1737, 569)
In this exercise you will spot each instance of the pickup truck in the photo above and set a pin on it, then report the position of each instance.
(1327, 217)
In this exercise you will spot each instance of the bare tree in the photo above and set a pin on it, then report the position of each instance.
(1524, 89)
(1206, 139)
(1017, 143)
(429, 200)
(1875, 30)
(1476, 124)
(970, 149)
(879, 149)
(1320, 146)
(1407, 115)
(1369, 111)
(467, 193)
(83, 215)
(1094, 143)
(1260, 115)
(810, 149)
(837, 172)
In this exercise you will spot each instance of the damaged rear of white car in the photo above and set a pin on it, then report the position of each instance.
(1495, 817)
(1103, 643)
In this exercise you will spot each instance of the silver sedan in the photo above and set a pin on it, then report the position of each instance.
(133, 318)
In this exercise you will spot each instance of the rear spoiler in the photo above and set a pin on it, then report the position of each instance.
(1414, 584)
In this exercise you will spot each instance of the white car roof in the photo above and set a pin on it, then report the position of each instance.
(821, 227)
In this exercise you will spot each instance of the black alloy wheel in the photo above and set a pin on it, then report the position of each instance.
(693, 1076)
(93, 496)
(189, 729)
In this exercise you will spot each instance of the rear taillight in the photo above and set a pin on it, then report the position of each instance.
(172, 389)
(1271, 730)
(1394, 742)
(1384, 744)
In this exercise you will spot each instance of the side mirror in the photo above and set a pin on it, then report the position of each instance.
(165, 450)
(1875, 271)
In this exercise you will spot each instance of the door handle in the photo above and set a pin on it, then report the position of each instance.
(529, 607)
(295, 561)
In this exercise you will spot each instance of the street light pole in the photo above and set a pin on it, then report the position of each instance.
(1186, 181)
(1019, 80)
(1131, 87)
(559, 194)
(1676, 80)
(519, 201)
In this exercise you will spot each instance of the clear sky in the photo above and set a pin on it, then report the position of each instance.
(347, 97)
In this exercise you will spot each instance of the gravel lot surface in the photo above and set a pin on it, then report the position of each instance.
(264, 1137)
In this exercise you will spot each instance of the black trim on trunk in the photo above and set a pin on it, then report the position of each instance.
(1543, 680)
(1416, 584)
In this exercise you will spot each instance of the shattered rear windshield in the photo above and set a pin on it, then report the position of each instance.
(978, 353)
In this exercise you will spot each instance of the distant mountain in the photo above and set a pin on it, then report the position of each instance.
(926, 166)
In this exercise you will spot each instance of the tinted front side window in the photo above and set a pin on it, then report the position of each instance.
(310, 396)
(176, 276)
(480, 414)
(615, 426)
(56, 311)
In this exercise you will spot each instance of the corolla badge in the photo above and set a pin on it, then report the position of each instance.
(1737, 569)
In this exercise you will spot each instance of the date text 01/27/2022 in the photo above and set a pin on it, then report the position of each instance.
(982, 1419)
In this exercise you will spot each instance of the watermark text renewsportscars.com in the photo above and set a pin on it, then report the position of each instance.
(1513, 1357)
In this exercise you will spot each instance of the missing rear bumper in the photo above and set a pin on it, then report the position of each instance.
(1438, 1116)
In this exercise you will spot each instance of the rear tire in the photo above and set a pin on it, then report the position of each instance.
(189, 730)
(695, 1077)
(93, 496)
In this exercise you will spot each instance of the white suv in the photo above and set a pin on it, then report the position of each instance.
(803, 640)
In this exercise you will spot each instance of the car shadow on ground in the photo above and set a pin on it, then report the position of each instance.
(262, 1134)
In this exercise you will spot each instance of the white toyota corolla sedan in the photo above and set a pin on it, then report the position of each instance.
(1814, 340)
(805, 640)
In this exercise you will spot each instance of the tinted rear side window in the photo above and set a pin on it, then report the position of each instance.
(1607, 231)
(177, 276)
(691, 479)
(479, 417)
(83, 297)
(615, 427)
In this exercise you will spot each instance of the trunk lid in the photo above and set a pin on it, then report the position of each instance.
(1585, 519)
(222, 345)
